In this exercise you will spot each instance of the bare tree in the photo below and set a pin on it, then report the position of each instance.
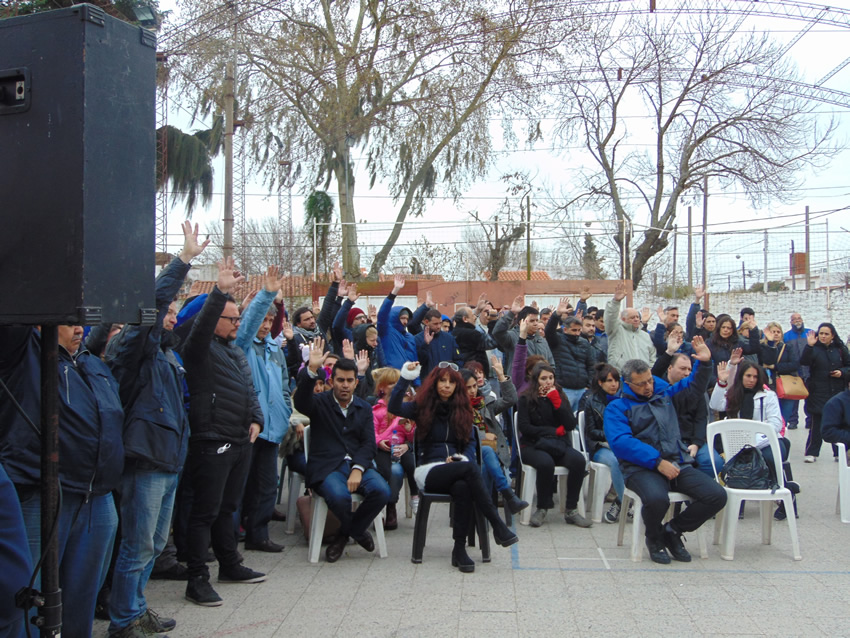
(718, 109)
(412, 86)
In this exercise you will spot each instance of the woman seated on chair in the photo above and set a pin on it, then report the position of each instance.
(495, 451)
(544, 420)
(593, 405)
(446, 451)
(394, 437)
(748, 396)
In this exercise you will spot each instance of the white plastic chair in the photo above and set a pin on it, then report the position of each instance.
(599, 480)
(319, 515)
(639, 529)
(296, 488)
(842, 502)
(529, 481)
(735, 434)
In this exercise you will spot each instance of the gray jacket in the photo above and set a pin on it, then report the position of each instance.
(507, 338)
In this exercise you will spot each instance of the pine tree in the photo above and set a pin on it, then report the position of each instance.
(591, 262)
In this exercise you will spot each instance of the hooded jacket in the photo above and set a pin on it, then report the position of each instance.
(641, 430)
(822, 360)
(398, 344)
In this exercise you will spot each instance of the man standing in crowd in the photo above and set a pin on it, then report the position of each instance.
(271, 383)
(307, 325)
(471, 342)
(643, 431)
(626, 340)
(506, 333)
(433, 345)
(397, 342)
(588, 333)
(795, 341)
(156, 434)
(573, 359)
(226, 419)
(342, 448)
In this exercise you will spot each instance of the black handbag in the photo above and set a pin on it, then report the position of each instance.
(747, 470)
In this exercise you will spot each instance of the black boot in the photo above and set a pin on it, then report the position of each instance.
(461, 559)
(503, 534)
(513, 502)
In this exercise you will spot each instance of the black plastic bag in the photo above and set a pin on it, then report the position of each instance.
(747, 470)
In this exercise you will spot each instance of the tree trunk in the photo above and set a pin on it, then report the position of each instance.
(345, 189)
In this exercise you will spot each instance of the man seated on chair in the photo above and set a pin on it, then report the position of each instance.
(342, 448)
(643, 431)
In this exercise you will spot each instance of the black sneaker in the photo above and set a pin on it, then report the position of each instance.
(673, 542)
(657, 552)
(175, 572)
(200, 592)
(132, 631)
(153, 623)
(239, 574)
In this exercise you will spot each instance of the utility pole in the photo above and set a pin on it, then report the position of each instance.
(229, 89)
(765, 261)
(690, 253)
(793, 268)
(808, 256)
(675, 240)
(528, 238)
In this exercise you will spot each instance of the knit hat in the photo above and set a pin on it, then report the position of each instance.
(352, 314)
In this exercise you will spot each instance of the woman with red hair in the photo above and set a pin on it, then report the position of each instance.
(446, 451)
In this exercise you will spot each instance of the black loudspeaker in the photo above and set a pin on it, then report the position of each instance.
(77, 168)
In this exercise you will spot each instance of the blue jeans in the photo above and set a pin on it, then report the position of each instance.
(703, 460)
(86, 533)
(147, 501)
(789, 411)
(492, 470)
(260, 491)
(574, 397)
(374, 490)
(606, 456)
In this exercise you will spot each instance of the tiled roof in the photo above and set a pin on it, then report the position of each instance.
(520, 275)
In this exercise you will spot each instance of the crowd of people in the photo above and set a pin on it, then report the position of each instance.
(171, 434)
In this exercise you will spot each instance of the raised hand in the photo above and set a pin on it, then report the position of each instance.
(523, 328)
(427, 335)
(317, 356)
(579, 313)
(228, 276)
(723, 373)
(398, 283)
(585, 293)
(534, 305)
(699, 293)
(482, 301)
(353, 295)
(336, 273)
(701, 351)
(373, 313)
(517, 304)
(342, 289)
(736, 356)
(662, 316)
(496, 367)
(191, 247)
(286, 329)
(362, 361)
(347, 349)
(562, 305)
(672, 344)
(645, 315)
(272, 281)
(699, 320)
(429, 300)
(620, 291)
(811, 337)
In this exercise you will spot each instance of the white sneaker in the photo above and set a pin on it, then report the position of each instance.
(810, 459)
(414, 504)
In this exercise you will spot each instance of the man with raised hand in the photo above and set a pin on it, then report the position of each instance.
(642, 429)
(506, 333)
(226, 419)
(626, 340)
(342, 448)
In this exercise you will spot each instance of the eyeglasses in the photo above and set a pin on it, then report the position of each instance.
(642, 384)
(233, 320)
(448, 364)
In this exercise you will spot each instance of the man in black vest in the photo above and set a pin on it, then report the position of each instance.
(342, 448)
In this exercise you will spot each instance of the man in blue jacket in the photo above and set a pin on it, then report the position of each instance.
(91, 459)
(397, 340)
(643, 431)
(435, 346)
(342, 448)
(271, 382)
(156, 436)
(795, 341)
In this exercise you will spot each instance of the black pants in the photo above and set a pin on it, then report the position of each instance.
(707, 498)
(463, 481)
(815, 439)
(260, 491)
(385, 468)
(545, 464)
(218, 478)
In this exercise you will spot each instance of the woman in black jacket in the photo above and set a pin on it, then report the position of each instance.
(777, 359)
(593, 404)
(446, 451)
(544, 419)
(829, 368)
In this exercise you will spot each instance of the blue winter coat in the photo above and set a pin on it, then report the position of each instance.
(443, 347)
(398, 344)
(91, 450)
(640, 430)
(156, 427)
(268, 369)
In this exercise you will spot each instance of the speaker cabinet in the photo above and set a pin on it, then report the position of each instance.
(77, 168)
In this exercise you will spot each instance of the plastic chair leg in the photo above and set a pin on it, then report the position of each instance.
(483, 528)
(420, 527)
(621, 526)
(638, 533)
(792, 527)
(296, 484)
(380, 538)
(529, 483)
(318, 517)
(730, 527)
(767, 521)
(718, 525)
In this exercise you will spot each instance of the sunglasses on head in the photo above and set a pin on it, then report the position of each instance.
(448, 364)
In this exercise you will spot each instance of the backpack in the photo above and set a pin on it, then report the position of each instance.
(747, 470)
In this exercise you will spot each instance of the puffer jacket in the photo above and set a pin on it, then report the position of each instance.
(222, 400)
(624, 342)
(473, 344)
(91, 419)
(156, 427)
(268, 369)
(593, 405)
(398, 344)
(507, 337)
(640, 430)
(822, 360)
(574, 360)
